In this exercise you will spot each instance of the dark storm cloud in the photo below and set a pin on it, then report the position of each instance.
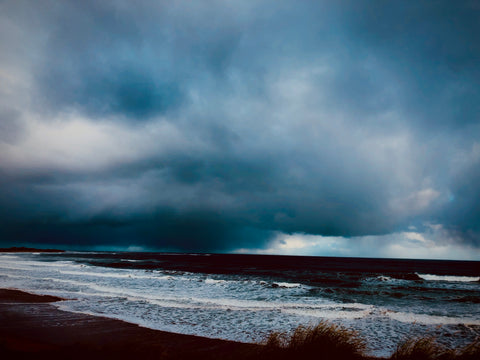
(105, 59)
(233, 204)
(343, 119)
(462, 214)
(97, 65)
(434, 47)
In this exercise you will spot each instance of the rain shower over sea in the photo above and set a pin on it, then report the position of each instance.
(245, 297)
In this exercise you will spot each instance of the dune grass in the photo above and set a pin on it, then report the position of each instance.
(428, 349)
(420, 349)
(331, 341)
(323, 341)
(470, 352)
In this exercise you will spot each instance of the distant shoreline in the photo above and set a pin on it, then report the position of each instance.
(26, 249)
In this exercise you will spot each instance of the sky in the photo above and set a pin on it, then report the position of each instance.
(334, 128)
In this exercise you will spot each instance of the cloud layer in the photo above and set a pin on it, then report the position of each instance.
(217, 126)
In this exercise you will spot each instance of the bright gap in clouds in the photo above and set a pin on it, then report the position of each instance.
(433, 242)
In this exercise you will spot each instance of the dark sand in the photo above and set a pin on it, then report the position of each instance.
(31, 327)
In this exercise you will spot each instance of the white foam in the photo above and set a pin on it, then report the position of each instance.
(408, 317)
(15, 276)
(114, 275)
(262, 305)
(330, 313)
(455, 278)
(384, 278)
(237, 304)
(12, 267)
(8, 257)
(287, 285)
(44, 264)
(214, 281)
(53, 264)
(63, 281)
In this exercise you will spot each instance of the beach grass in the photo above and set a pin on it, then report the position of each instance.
(470, 352)
(331, 341)
(323, 341)
(427, 348)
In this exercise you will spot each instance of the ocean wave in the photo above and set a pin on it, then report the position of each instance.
(331, 313)
(215, 281)
(116, 275)
(286, 285)
(451, 278)
(15, 276)
(13, 267)
(8, 256)
(409, 317)
(35, 264)
(384, 278)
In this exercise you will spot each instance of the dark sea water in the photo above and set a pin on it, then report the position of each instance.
(245, 297)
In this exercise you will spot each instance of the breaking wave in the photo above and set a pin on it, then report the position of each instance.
(452, 278)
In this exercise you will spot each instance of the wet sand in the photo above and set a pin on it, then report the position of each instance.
(31, 327)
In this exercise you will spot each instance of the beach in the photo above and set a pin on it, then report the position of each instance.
(31, 327)
(212, 305)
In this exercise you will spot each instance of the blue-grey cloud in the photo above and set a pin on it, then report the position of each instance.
(217, 125)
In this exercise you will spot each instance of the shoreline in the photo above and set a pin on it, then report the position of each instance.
(31, 326)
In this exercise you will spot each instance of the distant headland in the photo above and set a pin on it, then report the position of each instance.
(25, 249)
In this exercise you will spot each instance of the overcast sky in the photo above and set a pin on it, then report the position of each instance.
(344, 128)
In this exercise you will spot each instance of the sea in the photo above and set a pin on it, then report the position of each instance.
(246, 297)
